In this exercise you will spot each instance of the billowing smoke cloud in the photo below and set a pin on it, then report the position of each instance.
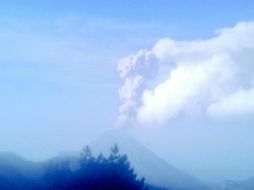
(135, 70)
(213, 77)
(239, 103)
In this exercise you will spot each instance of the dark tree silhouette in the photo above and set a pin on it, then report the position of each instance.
(113, 173)
(95, 173)
(57, 176)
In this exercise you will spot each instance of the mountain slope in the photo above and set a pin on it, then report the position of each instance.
(155, 170)
(147, 164)
(247, 184)
(13, 164)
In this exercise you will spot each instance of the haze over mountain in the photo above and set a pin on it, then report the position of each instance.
(155, 170)
(178, 76)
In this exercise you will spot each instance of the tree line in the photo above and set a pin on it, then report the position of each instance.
(112, 172)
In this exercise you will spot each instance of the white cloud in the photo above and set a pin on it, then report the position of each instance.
(190, 87)
(238, 103)
(206, 76)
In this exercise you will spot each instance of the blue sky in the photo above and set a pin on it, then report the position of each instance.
(58, 77)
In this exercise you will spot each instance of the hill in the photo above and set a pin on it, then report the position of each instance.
(155, 170)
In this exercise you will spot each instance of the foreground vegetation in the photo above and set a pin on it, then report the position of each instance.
(92, 173)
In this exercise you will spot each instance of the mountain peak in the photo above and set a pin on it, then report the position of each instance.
(146, 163)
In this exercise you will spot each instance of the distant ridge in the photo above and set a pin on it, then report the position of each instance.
(11, 164)
(247, 184)
(157, 172)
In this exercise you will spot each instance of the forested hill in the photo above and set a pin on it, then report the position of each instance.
(113, 172)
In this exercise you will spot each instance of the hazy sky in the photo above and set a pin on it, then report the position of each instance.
(59, 78)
